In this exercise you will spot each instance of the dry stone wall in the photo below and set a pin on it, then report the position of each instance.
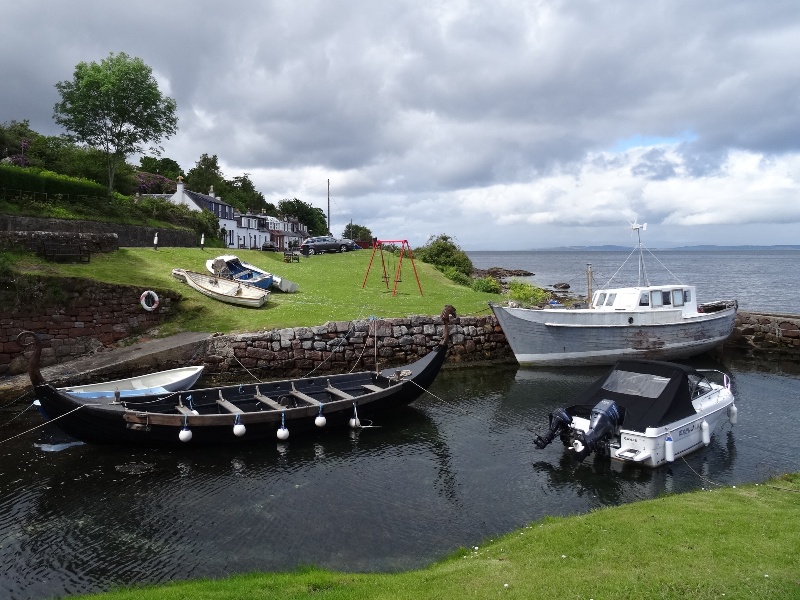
(341, 345)
(766, 336)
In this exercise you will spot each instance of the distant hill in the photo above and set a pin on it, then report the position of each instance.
(702, 248)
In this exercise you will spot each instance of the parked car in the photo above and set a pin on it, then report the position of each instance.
(320, 245)
(351, 245)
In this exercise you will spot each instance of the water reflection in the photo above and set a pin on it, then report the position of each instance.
(457, 467)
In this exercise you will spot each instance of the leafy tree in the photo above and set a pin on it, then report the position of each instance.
(357, 232)
(441, 251)
(204, 175)
(311, 216)
(116, 107)
(166, 167)
(16, 138)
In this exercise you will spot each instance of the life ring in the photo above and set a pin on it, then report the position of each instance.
(149, 300)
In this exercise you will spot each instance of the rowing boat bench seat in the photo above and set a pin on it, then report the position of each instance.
(184, 410)
(372, 388)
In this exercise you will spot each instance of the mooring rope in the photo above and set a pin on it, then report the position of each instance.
(45, 423)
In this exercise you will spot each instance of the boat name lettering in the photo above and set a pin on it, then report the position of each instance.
(685, 430)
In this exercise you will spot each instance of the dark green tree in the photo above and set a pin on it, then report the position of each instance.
(116, 107)
(204, 175)
(357, 232)
(311, 216)
(166, 167)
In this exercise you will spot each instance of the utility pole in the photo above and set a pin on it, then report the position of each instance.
(329, 206)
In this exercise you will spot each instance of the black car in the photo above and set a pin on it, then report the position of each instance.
(320, 245)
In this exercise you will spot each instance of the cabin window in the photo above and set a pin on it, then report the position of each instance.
(677, 297)
(600, 299)
(610, 300)
(687, 296)
(667, 298)
(656, 299)
(644, 299)
(635, 384)
(699, 386)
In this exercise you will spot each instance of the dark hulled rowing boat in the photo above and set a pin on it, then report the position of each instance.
(237, 413)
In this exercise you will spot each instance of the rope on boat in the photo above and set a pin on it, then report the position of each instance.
(13, 437)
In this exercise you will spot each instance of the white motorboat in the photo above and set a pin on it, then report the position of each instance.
(663, 322)
(643, 412)
(171, 380)
(232, 267)
(224, 290)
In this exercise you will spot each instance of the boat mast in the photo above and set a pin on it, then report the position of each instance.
(642, 270)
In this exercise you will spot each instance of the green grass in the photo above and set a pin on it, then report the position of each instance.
(330, 287)
(724, 543)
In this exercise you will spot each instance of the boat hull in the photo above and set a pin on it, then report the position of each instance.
(159, 420)
(540, 338)
(224, 290)
(171, 380)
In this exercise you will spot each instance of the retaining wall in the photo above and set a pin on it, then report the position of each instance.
(72, 318)
(765, 337)
(128, 236)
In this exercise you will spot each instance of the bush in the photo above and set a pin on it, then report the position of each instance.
(487, 284)
(525, 292)
(443, 252)
(457, 276)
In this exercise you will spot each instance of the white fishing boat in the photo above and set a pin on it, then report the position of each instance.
(643, 412)
(224, 290)
(171, 380)
(663, 322)
(231, 267)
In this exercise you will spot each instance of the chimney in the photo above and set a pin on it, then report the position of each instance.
(179, 191)
(211, 191)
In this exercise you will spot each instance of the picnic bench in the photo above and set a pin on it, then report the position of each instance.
(290, 256)
(58, 252)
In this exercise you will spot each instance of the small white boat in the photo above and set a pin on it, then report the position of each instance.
(171, 380)
(224, 290)
(232, 267)
(662, 322)
(643, 412)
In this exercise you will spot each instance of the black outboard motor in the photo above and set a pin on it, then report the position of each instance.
(603, 421)
(559, 420)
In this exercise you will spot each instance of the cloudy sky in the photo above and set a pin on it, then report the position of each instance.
(510, 124)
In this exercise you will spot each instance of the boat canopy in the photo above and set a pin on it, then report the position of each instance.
(648, 393)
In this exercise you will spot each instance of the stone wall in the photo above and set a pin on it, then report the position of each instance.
(128, 236)
(73, 317)
(765, 336)
(341, 345)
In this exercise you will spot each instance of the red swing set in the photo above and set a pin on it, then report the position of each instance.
(377, 246)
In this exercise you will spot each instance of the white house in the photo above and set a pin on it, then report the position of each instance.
(243, 230)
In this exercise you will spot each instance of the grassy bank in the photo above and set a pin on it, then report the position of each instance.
(740, 542)
(330, 287)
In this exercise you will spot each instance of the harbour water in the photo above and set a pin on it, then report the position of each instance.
(764, 280)
(456, 468)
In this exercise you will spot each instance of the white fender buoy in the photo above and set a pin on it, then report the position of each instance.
(320, 421)
(283, 433)
(185, 434)
(577, 446)
(355, 423)
(733, 414)
(669, 448)
(704, 428)
(239, 430)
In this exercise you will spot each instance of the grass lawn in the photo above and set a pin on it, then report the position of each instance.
(726, 543)
(330, 287)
